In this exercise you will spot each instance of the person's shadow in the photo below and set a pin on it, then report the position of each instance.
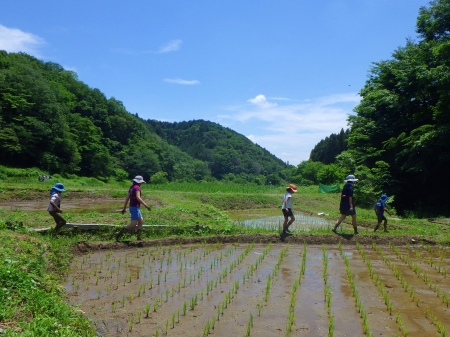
(344, 235)
(283, 236)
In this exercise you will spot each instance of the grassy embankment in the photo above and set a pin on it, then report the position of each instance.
(32, 265)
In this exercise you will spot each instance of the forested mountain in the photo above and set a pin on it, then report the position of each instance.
(225, 150)
(51, 120)
(327, 149)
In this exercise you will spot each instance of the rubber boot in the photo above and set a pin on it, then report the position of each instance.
(376, 228)
(139, 233)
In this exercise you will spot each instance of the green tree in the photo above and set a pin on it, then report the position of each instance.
(403, 119)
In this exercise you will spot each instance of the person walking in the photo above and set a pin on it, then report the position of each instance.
(54, 206)
(286, 208)
(380, 208)
(134, 197)
(347, 206)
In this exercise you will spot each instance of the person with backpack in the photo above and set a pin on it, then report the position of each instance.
(346, 206)
(380, 208)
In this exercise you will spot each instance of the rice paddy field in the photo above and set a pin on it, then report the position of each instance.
(264, 290)
(233, 275)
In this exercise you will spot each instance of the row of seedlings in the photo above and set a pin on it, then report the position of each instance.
(358, 302)
(382, 288)
(327, 292)
(230, 295)
(193, 302)
(428, 313)
(270, 279)
(419, 272)
(158, 301)
(293, 301)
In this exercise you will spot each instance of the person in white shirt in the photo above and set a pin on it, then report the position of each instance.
(286, 208)
(54, 206)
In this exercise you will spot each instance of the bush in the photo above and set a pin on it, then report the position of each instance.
(159, 178)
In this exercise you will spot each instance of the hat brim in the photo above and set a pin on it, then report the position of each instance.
(59, 189)
(352, 180)
(139, 181)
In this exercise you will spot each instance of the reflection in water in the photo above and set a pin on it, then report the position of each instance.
(270, 222)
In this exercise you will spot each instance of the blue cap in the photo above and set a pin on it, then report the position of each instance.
(384, 197)
(59, 187)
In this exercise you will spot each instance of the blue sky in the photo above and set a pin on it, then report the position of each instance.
(284, 73)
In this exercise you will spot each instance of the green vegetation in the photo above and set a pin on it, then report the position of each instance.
(51, 120)
(35, 258)
(327, 149)
(399, 139)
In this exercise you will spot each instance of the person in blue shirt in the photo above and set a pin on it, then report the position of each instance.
(380, 208)
(347, 207)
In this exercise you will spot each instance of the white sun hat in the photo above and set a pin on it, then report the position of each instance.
(350, 177)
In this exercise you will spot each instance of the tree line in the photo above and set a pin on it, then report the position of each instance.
(51, 120)
(399, 137)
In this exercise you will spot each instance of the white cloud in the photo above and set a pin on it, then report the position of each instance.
(291, 130)
(261, 102)
(14, 40)
(281, 99)
(181, 81)
(173, 45)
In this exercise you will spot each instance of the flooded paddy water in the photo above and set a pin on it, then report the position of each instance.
(271, 220)
(273, 289)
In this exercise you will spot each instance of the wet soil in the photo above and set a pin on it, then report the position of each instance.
(221, 282)
(328, 239)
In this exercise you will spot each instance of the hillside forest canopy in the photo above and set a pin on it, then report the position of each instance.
(398, 140)
(51, 120)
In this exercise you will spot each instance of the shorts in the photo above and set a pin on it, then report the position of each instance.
(287, 212)
(135, 213)
(381, 217)
(348, 211)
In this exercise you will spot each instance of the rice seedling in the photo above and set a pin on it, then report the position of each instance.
(130, 323)
(147, 310)
(139, 314)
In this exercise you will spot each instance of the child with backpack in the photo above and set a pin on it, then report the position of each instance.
(380, 208)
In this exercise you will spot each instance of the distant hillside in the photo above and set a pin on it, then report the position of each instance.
(225, 150)
(51, 120)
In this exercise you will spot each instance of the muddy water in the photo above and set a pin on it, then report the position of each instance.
(75, 205)
(113, 288)
(268, 219)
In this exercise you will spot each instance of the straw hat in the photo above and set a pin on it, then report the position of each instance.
(292, 187)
